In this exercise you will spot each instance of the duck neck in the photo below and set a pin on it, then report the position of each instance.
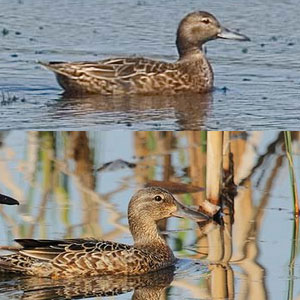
(187, 50)
(191, 55)
(145, 233)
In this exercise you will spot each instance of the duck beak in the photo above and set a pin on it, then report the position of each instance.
(7, 200)
(186, 212)
(231, 35)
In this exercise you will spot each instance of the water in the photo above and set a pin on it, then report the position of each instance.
(261, 76)
(53, 176)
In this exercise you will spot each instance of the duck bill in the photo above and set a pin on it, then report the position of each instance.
(186, 212)
(7, 200)
(231, 35)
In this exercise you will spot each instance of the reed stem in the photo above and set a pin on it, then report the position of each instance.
(289, 155)
(214, 166)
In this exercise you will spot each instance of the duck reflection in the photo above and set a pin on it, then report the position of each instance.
(150, 286)
(178, 112)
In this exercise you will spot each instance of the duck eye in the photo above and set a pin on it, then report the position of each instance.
(205, 21)
(158, 198)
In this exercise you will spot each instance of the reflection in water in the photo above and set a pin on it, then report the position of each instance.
(54, 177)
(260, 76)
(187, 111)
(150, 286)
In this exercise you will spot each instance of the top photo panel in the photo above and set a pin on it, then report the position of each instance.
(149, 65)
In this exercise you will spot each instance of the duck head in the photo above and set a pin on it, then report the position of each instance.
(155, 204)
(197, 28)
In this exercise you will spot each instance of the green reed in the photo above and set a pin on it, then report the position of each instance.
(294, 246)
(294, 249)
(289, 155)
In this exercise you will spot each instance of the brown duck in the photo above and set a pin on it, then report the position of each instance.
(190, 73)
(88, 257)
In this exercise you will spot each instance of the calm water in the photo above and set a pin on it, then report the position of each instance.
(53, 175)
(261, 76)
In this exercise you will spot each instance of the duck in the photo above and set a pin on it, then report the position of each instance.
(90, 257)
(191, 73)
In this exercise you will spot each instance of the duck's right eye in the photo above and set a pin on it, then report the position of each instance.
(158, 198)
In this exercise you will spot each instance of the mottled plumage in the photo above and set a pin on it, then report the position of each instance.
(88, 257)
(191, 73)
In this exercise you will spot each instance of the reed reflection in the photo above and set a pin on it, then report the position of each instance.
(54, 177)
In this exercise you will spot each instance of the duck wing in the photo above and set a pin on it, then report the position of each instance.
(50, 249)
(110, 69)
(113, 76)
(71, 257)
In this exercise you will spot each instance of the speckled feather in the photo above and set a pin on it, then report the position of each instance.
(133, 76)
(71, 257)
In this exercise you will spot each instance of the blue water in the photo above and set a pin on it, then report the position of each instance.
(261, 77)
(50, 175)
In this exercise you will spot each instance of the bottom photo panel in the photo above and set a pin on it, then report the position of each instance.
(149, 215)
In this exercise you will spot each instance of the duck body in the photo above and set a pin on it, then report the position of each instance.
(190, 73)
(85, 257)
(134, 76)
(89, 257)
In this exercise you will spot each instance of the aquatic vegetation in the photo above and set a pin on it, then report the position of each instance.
(7, 98)
(64, 197)
(288, 148)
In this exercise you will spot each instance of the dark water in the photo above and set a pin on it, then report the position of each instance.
(261, 77)
(53, 176)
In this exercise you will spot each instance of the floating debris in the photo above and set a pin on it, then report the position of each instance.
(141, 3)
(224, 89)
(116, 165)
(8, 99)
(5, 31)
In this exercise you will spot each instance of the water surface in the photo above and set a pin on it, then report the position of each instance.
(257, 82)
(54, 177)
